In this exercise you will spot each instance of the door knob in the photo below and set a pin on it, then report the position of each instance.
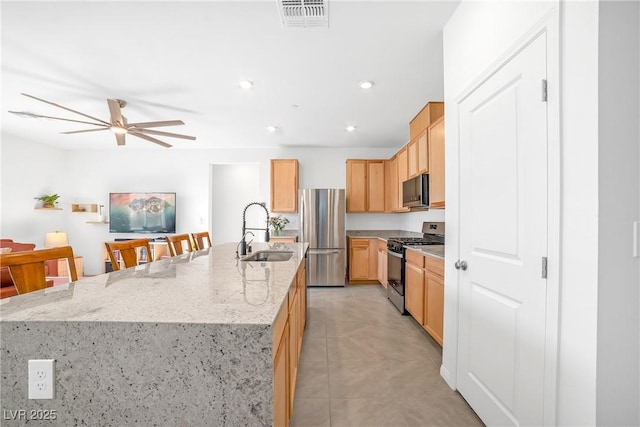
(461, 265)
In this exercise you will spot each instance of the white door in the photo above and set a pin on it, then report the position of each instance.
(503, 237)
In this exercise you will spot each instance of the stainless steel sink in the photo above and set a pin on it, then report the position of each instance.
(269, 256)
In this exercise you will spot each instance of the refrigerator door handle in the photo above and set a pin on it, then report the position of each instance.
(323, 251)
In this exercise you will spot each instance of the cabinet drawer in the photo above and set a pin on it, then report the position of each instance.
(415, 258)
(382, 244)
(434, 265)
(280, 323)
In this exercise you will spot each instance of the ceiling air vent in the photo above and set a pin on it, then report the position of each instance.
(304, 13)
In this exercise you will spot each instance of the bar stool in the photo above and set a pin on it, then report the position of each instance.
(128, 250)
(200, 238)
(27, 268)
(176, 246)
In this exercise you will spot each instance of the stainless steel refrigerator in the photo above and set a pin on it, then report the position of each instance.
(322, 218)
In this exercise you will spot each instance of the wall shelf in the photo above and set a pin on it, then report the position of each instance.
(48, 209)
(84, 207)
(97, 222)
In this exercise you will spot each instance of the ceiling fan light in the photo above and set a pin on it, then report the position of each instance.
(118, 130)
(246, 84)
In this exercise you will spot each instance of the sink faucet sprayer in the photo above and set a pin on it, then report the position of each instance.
(243, 243)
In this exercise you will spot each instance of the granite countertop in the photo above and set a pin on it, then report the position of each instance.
(382, 234)
(436, 251)
(208, 286)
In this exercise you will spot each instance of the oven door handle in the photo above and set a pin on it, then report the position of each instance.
(394, 254)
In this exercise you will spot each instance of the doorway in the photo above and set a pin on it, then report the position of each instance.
(233, 186)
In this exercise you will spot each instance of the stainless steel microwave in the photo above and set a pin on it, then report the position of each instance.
(415, 192)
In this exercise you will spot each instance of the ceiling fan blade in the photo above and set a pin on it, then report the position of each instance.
(148, 138)
(116, 113)
(86, 130)
(120, 138)
(38, 116)
(161, 133)
(156, 124)
(65, 108)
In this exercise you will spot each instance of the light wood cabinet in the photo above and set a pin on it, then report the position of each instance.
(288, 330)
(365, 185)
(434, 301)
(356, 192)
(424, 292)
(412, 158)
(423, 153)
(283, 239)
(363, 260)
(375, 185)
(392, 186)
(403, 175)
(382, 262)
(429, 114)
(284, 185)
(436, 164)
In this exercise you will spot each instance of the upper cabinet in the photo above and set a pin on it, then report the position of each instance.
(376, 185)
(284, 185)
(436, 164)
(365, 185)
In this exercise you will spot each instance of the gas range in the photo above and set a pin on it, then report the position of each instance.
(433, 234)
(397, 244)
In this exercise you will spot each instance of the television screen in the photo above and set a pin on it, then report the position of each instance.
(142, 212)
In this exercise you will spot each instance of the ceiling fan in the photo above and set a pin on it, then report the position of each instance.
(118, 123)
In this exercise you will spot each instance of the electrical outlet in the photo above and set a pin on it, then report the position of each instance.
(42, 378)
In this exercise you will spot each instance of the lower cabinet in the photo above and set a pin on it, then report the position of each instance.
(288, 330)
(363, 260)
(382, 262)
(424, 292)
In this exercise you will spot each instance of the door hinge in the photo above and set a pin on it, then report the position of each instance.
(544, 267)
(544, 90)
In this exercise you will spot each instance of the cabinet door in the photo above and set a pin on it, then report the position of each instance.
(392, 193)
(434, 300)
(403, 175)
(359, 259)
(375, 186)
(284, 185)
(436, 164)
(293, 349)
(280, 385)
(412, 158)
(414, 291)
(382, 266)
(423, 153)
(356, 193)
(373, 259)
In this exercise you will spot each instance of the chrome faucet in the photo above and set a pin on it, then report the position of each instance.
(243, 244)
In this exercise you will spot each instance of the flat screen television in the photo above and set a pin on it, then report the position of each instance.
(142, 212)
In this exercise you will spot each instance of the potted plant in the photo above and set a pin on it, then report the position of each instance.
(48, 201)
(278, 223)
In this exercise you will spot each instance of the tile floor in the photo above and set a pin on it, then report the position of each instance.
(365, 365)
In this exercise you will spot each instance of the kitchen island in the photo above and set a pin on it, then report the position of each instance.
(188, 340)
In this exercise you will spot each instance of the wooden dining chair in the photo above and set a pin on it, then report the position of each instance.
(200, 238)
(176, 244)
(27, 268)
(128, 250)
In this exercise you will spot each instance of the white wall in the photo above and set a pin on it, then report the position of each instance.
(618, 276)
(88, 176)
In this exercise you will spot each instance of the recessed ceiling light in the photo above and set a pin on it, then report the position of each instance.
(272, 129)
(350, 128)
(246, 84)
(366, 84)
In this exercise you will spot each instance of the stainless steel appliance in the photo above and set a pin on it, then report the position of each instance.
(322, 225)
(415, 192)
(432, 234)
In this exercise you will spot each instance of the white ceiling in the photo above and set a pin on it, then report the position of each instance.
(183, 60)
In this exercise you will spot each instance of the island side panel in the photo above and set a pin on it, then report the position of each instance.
(121, 373)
